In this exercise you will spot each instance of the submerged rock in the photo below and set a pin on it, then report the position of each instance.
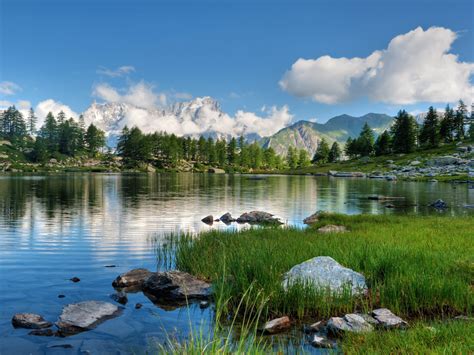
(320, 341)
(277, 325)
(332, 228)
(42, 332)
(203, 304)
(75, 279)
(132, 278)
(326, 273)
(256, 217)
(78, 317)
(227, 218)
(349, 323)
(386, 319)
(439, 204)
(176, 285)
(30, 321)
(216, 171)
(318, 326)
(208, 219)
(120, 297)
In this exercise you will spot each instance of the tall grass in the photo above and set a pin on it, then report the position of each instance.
(416, 266)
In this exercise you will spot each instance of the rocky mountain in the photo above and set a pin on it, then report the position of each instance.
(307, 135)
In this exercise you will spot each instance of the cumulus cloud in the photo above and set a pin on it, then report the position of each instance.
(120, 71)
(141, 95)
(55, 107)
(9, 88)
(415, 67)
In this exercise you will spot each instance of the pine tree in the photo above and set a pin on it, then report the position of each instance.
(49, 133)
(365, 142)
(61, 117)
(95, 139)
(232, 151)
(459, 117)
(211, 149)
(404, 133)
(383, 144)
(270, 158)
(203, 152)
(350, 148)
(303, 159)
(334, 153)
(322, 153)
(447, 125)
(292, 157)
(429, 135)
(31, 123)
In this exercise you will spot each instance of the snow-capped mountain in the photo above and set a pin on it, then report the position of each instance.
(200, 116)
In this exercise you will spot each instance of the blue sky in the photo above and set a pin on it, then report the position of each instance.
(235, 51)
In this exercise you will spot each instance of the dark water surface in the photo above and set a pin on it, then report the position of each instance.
(56, 227)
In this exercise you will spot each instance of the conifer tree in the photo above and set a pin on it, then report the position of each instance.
(334, 153)
(459, 117)
(404, 133)
(322, 153)
(303, 159)
(447, 125)
(429, 135)
(365, 142)
(95, 139)
(382, 145)
(31, 123)
(292, 157)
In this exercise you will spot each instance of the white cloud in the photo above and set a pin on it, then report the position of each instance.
(415, 67)
(4, 104)
(9, 88)
(140, 95)
(182, 95)
(23, 105)
(120, 71)
(55, 107)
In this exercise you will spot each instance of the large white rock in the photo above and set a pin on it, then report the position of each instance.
(325, 273)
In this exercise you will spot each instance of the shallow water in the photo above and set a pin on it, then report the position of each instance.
(56, 227)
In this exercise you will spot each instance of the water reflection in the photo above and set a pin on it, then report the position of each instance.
(59, 226)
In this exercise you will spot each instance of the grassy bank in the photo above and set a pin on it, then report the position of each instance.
(419, 267)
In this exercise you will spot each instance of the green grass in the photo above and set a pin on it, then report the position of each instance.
(454, 337)
(419, 267)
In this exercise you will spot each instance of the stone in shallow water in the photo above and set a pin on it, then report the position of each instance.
(326, 273)
(30, 321)
(277, 325)
(256, 217)
(176, 285)
(208, 219)
(349, 323)
(86, 315)
(313, 218)
(320, 341)
(132, 278)
(120, 297)
(42, 332)
(332, 228)
(387, 319)
(227, 218)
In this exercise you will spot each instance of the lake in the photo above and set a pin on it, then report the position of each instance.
(56, 227)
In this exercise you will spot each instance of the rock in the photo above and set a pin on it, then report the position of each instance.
(256, 217)
(368, 318)
(439, 204)
(433, 180)
(227, 218)
(347, 174)
(30, 321)
(464, 318)
(150, 169)
(138, 306)
(332, 228)
(208, 219)
(203, 304)
(61, 296)
(313, 218)
(216, 171)
(120, 297)
(110, 265)
(75, 279)
(320, 341)
(318, 326)
(445, 160)
(384, 198)
(277, 325)
(391, 177)
(78, 317)
(326, 273)
(386, 319)
(415, 163)
(176, 285)
(42, 332)
(389, 206)
(349, 323)
(390, 161)
(53, 161)
(132, 278)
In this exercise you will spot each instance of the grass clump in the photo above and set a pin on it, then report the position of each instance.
(419, 267)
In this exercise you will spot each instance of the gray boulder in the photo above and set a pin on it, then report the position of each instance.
(326, 273)
(313, 218)
(132, 278)
(258, 217)
(277, 325)
(86, 315)
(387, 320)
(216, 171)
(208, 219)
(439, 204)
(176, 285)
(30, 321)
(349, 323)
(227, 218)
(332, 228)
(445, 160)
(321, 341)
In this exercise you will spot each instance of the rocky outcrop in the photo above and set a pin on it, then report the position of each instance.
(208, 219)
(445, 160)
(357, 174)
(120, 297)
(176, 286)
(332, 228)
(84, 316)
(258, 217)
(132, 278)
(216, 171)
(349, 323)
(313, 218)
(387, 320)
(277, 325)
(30, 321)
(439, 204)
(227, 218)
(326, 273)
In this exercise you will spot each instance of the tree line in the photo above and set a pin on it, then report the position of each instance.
(57, 137)
(405, 135)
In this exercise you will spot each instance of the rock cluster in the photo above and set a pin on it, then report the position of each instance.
(253, 217)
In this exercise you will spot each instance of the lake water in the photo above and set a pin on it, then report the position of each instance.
(60, 226)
